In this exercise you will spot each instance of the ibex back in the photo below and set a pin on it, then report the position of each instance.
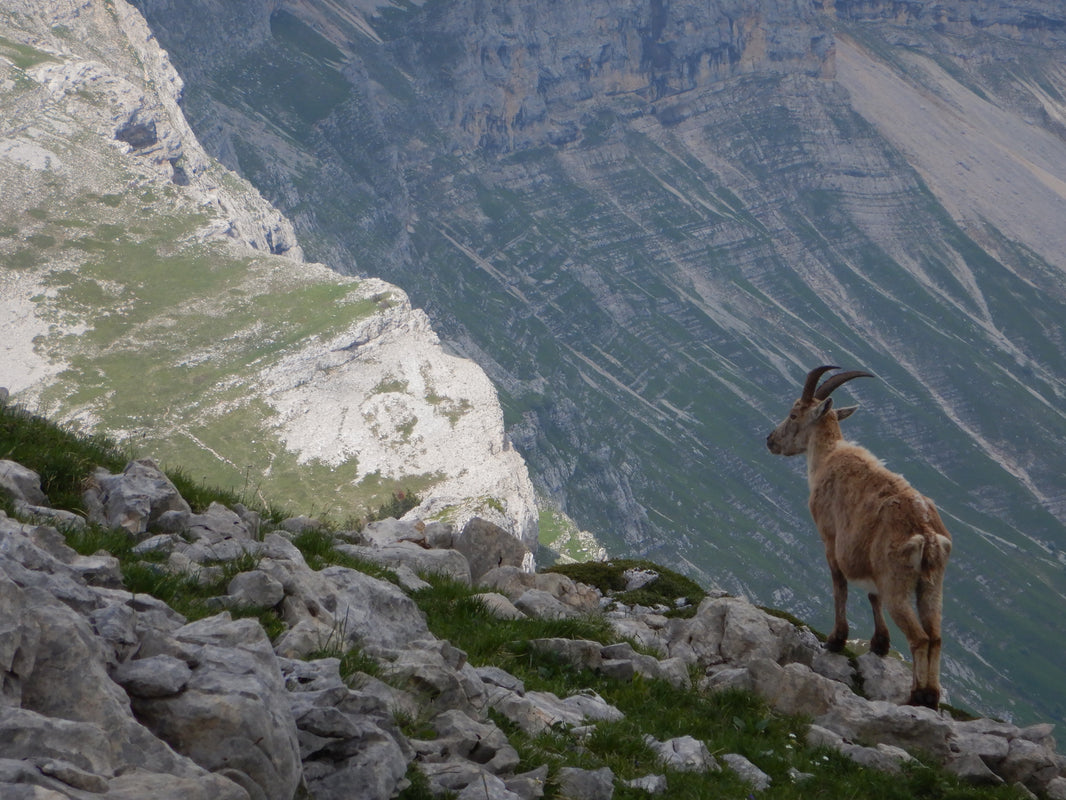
(879, 532)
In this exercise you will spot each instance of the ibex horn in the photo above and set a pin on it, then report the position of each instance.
(835, 382)
(812, 381)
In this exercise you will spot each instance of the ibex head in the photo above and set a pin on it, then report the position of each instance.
(792, 436)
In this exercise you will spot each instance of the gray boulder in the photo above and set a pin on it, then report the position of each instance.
(649, 784)
(157, 676)
(971, 768)
(885, 678)
(585, 784)
(795, 689)
(499, 606)
(449, 563)
(233, 715)
(747, 771)
(255, 588)
(459, 735)
(543, 605)
(732, 630)
(912, 728)
(21, 484)
(438, 673)
(508, 581)
(218, 523)
(349, 741)
(684, 753)
(580, 597)
(338, 607)
(61, 710)
(487, 546)
(133, 499)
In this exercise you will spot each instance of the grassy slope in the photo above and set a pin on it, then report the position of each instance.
(161, 336)
(729, 722)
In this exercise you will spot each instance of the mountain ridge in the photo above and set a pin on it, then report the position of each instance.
(152, 294)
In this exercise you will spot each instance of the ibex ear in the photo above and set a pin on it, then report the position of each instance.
(844, 413)
(822, 409)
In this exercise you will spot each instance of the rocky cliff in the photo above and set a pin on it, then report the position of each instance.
(151, 294)
(302, 677)
(648, 220)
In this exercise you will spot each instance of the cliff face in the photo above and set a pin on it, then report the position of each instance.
(522, 75)
(1039, 22)
(151, 294)
(648, 221)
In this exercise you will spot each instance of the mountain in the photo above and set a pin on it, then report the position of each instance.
(150, 293)
(647, 220)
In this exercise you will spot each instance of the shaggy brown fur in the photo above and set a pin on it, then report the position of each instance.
(879, 532)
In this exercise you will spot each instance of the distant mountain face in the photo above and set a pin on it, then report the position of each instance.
(647, 220)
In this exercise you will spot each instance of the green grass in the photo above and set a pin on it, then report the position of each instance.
(64, 459)
(453, 613)
(609, 578)
(61, 458)
(23, 56)
(727, 722)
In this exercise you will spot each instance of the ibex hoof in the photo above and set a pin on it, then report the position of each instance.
(930, 698)
(879, 645)
(834, 644)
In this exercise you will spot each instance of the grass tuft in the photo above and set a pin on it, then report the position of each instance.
(609, 578)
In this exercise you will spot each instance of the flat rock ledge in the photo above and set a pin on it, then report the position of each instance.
(109, 694)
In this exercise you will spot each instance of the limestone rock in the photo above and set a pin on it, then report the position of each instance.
(480, 742)
(908, 727)
(884, 678)
(538, 603)
(134, 498)
(649, 784)
(449, 563)
(156, 676)
(218, 523)
(233, 715)
(487, 546)
(256, 588)
(730, 630)
(20, 483)
(584, 784)
(499, 606)
(794, 688)
(683, 753)
(747, 771)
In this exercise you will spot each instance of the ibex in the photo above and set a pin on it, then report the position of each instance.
(879, 532)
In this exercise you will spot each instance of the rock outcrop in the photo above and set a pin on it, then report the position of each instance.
(112, 694)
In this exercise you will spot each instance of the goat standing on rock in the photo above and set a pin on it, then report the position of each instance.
(879, 532)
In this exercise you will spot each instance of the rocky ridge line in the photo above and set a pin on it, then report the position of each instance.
(110, 694)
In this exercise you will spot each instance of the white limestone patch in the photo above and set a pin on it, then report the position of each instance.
(385, 394)
(22, 364)
(30, 155)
